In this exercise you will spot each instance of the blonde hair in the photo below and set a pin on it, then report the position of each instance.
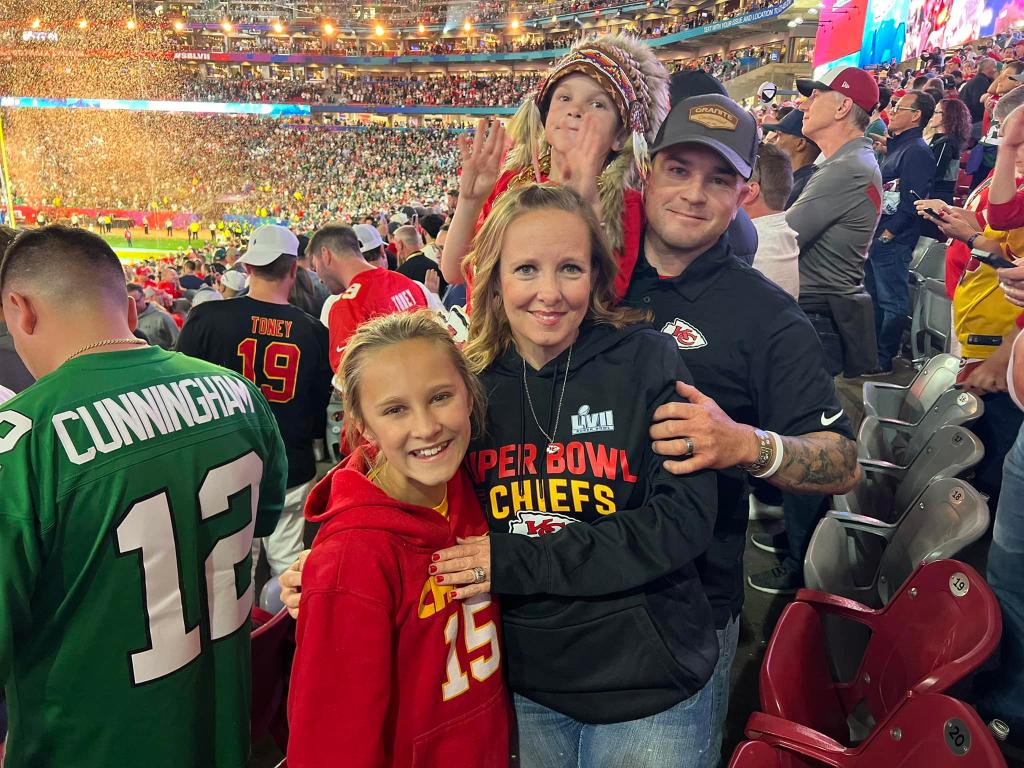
(386, 331)
(490, 334)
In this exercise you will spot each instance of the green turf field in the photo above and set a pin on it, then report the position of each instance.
(117, 242)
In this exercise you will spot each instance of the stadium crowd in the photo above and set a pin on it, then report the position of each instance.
(486, 90)
(697, 283)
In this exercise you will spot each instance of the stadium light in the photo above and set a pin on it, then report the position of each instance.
(554, 19)
(515, 24)
(35, 23)
(798, 21)
(179, 26)
(421, 29)
(82, 24)
(813, 11)
(467, 26)
(328, 28)
(226, 26)
(278, 27)
(379, 30)
(130, 24)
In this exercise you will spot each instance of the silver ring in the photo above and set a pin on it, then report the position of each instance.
(479, 575)
(689, 447)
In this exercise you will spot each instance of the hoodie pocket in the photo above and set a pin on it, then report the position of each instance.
(477, 739)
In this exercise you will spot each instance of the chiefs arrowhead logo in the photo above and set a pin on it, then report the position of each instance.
(538, 523)
(686, 336)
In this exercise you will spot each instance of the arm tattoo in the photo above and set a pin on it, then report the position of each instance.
(819, 462)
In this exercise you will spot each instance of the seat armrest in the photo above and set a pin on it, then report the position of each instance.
(822, 602)
(882, 467)
(863, 523)
(792, 736)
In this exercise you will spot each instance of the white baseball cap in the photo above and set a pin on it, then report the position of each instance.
(233, 280)
(267, 243)
(369, 238)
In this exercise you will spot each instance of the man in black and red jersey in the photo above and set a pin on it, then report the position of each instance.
(283, 351)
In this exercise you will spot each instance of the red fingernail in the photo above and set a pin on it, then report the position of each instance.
(435, 557)
(439, 579)
(433, 569)
(455, 595)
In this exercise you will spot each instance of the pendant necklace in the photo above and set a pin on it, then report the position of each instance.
(553, 447)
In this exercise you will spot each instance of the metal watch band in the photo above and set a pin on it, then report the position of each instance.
(765, 453)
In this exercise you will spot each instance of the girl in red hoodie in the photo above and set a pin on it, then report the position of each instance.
(390, 670)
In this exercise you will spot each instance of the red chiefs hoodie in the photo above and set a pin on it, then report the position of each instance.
(389, 670)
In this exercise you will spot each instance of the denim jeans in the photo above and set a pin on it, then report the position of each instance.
(728, 639)
(675, 738)
(886, 278)
(1003, 691)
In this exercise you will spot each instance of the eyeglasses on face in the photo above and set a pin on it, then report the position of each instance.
(905, 109)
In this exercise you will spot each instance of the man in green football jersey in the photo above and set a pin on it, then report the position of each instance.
(133, 480)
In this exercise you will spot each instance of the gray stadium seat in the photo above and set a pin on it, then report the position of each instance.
(928, 259)
(335, 413)
(898, 443)
(931, 321)
(909, 404)
(886, 492)
(866, 560)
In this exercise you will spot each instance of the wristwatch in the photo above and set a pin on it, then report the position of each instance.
(972, 238)
(765, 453)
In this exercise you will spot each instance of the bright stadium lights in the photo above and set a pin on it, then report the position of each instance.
(421, 29)
(328, 28)
(798, 21)
(278, 27)
(813, 11)
(226, 26)
(791, 24)
(515, 24)
(82, 24)
(379, 30)
(467, 26)
(179, 26)
(35, 23)
(130, 24)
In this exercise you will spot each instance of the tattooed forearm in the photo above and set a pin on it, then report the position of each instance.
(819, 462)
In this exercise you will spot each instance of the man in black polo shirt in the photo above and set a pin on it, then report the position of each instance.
(755, 359)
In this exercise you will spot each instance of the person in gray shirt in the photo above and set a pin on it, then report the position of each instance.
(156, 325)
(836, 214)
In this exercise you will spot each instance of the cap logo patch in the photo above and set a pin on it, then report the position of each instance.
(714, 117)
(845, 84)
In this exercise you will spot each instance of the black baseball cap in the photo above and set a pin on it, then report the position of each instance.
(716, 122)
(792, 124)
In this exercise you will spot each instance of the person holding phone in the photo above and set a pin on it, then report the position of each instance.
(986, 323)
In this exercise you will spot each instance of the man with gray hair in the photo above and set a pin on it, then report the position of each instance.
(414, 262)
(836, 215)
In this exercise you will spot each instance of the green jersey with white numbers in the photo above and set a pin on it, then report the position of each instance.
(131, 485)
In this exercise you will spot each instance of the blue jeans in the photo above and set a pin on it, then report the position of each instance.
(728, 639)
(675, 738)
(886, 278)
(1003, 691)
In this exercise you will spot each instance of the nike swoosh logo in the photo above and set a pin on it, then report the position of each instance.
(828, 422)
(339, 350)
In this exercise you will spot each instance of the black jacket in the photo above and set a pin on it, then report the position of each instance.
(971, 93)
(593, 547)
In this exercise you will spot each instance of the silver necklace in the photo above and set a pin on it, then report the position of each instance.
(106, 343)
(552, 446)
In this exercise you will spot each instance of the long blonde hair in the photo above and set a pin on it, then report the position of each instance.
(386, 331)
(489, 332)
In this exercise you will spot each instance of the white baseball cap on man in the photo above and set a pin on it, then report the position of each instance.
(369, 238)
(267, 243)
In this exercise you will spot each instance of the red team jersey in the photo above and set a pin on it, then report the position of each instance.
(389, 670)
(370, 294)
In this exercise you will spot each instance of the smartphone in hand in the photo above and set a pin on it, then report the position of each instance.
(992, 260)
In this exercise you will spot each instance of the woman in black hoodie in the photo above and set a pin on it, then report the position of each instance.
(608, 633)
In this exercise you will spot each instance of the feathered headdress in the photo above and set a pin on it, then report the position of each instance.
(627, 69)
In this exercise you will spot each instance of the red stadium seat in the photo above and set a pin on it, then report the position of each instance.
(939, 627)
(273, 640)
(929, 730)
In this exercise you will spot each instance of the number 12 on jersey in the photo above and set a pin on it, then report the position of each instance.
(147, 529)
